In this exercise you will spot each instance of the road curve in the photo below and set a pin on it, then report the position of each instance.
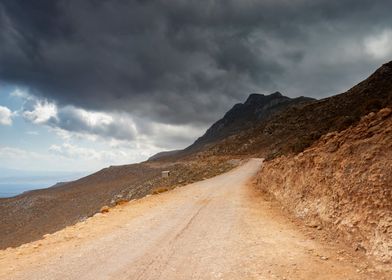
(219, 228)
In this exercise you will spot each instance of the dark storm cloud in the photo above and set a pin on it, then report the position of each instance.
(185, 61)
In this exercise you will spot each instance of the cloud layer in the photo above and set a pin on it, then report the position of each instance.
(185, 62)
(5, 116)
(115, 127)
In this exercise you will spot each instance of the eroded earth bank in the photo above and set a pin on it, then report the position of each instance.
(342, 184)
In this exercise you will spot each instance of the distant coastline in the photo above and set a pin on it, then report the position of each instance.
(14, 185)
(13, 189)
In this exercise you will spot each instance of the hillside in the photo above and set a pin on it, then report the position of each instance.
(342, 183)
(29, 216)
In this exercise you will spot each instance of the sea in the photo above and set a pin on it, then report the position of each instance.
(22, 182)
(12, 189)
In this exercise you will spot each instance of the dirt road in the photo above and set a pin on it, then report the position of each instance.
(215, 229)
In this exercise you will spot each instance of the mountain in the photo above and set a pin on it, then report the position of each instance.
(245, 115)
(296, 127)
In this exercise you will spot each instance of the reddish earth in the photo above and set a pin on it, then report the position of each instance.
(342, 183)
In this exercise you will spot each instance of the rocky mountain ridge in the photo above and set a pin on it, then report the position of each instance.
(242, 116)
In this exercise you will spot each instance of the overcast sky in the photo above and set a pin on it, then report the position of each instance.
(86, 84)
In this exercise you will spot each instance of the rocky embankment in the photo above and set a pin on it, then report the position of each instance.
(342, 184)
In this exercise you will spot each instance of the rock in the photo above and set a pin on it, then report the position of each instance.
(383, 113)
(104, 209)
(121, 201)
(324, 258)
(313, 224)
(319, 227)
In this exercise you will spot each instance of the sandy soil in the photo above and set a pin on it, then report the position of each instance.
(220, 228)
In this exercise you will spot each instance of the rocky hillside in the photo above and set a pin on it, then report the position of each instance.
(297, 127)
(342, 183)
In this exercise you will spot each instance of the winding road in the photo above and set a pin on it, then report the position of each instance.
(220, 228)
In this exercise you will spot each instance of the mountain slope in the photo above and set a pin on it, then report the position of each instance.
(245, 115)
(164, 154)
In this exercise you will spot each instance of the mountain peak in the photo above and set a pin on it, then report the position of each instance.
(277, 94)
(257, 98)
